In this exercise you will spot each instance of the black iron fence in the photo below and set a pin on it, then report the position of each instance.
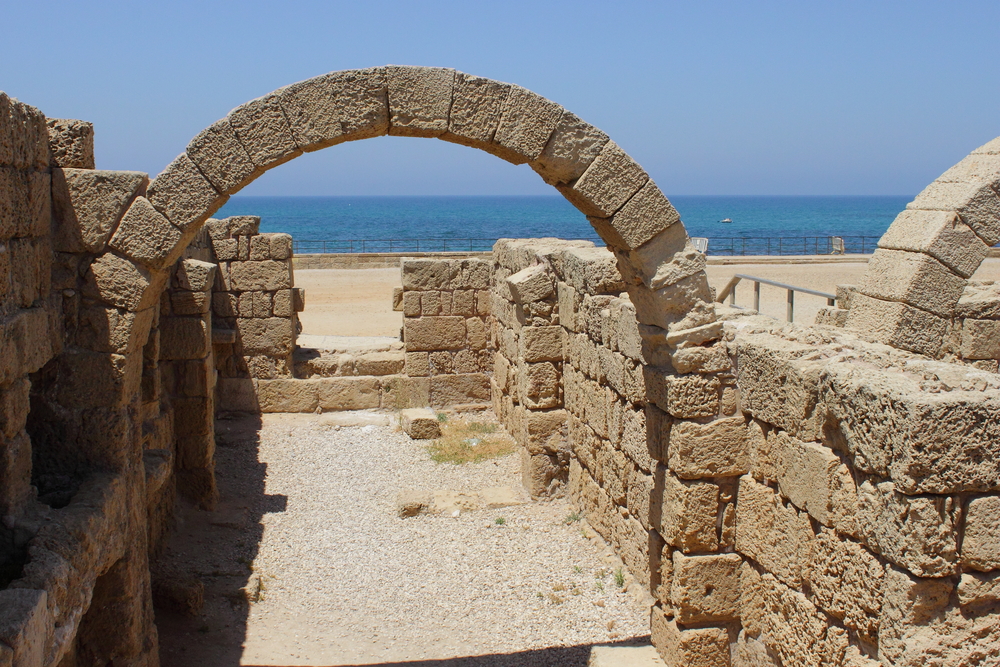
(717, 245)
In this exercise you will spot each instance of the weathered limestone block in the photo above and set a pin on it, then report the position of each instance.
(434, 274)
(14, 407)
(401, 391)
(634, 439)
(918, 533)
(104, 329)
(15, 473)
(272, 335)
(448, 390)
(380, 363)
(919, 626)
(147, 237)
(261, 127)
(337, 107)
(541, 344)
(541, 474)
(682, 396)
(184, 338)
(527, 122)
(71, 143)
(26, 343)
(591, 271)
(88, 204)
(705, 647)
(685, 513)
(773, 534)
(705, 588)
(531, 284)
(980, 339)
(610, 181)
(719, 448)
(978, 588)
(845, 581)
(25, 624)
(814, 479)
(268, 275)
(976, 201)
(420, 423)
(712, 359)
(751, 652)
(349, 393)
(940, 234)
(24, 138)
(289, 395)
(97, 379)
(538, 386)
(667, 259)
(434, 333)
(913, 278)
(122, 283)
(669, 305)
(981, 543)
(644, 216)
(243, 225)
(787, 622)
(980, 300)
(897, 324)
(194, 275)
(260, 247)
(572, 147)
(779, 383)
(419, 100)
(476, 106)
(225, 249)
(221, 158)
(183, 194)
(927, 436)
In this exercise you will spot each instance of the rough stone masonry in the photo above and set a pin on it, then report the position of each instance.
(790, 495)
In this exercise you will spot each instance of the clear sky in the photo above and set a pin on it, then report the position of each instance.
(783, 97)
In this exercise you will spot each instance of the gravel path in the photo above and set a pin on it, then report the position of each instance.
(345, 581)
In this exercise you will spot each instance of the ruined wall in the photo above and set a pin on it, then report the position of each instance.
(445, 304)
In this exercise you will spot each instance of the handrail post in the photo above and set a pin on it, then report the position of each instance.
(732, 296)
(756, 295)
(791, 305)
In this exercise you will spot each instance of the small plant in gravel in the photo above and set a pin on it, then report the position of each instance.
(500, 521)
(464, 441)
(620, 578)
(442, 417)
(599, 586)
(578, 569)
(555, 599)
(558, 588)
(572, 517)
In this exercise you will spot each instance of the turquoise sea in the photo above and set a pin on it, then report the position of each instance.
(760, 224)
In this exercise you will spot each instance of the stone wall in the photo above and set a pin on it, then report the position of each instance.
(445, 304)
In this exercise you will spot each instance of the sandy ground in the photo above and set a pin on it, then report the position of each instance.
(358, 302)
(307, 525)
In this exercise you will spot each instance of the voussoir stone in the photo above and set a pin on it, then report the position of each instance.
(147, 237)
(527, 122)
(263, 130)
(221, 157)
(975, 201)
(123, 283)
(645, 215)
(572, 147)
(89, 203)
(419, 100)
(940, 234)
(913, 278)
(610, 181)
(337, 107)
(476, 107)
(183, 194)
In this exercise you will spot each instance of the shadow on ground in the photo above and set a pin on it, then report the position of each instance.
(212, 553)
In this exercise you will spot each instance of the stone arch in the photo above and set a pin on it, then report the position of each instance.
(664, 274)
(910, 292)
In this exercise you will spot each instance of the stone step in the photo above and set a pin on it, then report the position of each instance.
(625, 656)
(339, 356)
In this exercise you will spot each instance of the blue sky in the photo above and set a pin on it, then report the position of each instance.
(710, 97)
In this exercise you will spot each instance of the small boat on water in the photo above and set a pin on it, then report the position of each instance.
(726, 220)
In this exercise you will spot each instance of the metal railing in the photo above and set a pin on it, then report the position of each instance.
(791, 245)
(730, 291)
(717, 245)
